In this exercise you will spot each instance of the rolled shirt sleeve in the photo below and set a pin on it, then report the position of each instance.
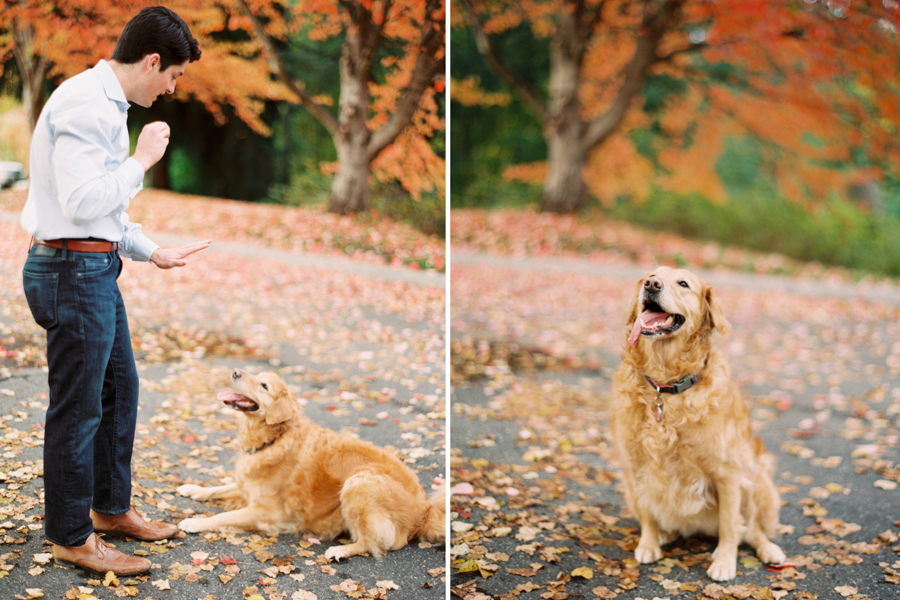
(135, 245)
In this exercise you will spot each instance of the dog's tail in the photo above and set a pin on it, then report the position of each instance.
(435, 527)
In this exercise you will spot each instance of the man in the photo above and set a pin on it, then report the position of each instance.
(82, 181)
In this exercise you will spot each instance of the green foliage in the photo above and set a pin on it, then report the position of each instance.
(310, 187)
(483, 141)
(427, 214)
(835, 233)
(492, 191)
(307, 187)
(658, 88)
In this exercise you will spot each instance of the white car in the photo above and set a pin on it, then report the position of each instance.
(10, 173)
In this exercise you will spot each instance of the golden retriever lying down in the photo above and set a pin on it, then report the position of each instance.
(690, 461)
(293, 475)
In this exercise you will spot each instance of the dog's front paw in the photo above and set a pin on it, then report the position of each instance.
(194, 525)
(770, 554)
(722, 569)
(195, 492)
(647, 553)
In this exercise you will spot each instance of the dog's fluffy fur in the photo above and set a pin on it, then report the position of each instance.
(698, 469)
(293, 475)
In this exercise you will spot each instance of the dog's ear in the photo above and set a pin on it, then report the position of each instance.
(634, 310)
(282, 409)
(716, 314)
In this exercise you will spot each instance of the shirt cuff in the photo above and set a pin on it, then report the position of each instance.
(132, 171)
(140, 249)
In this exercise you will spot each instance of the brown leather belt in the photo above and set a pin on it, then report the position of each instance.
(81, 245)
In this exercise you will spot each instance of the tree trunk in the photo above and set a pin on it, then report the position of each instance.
(33, 69)
(159, 174)
(564, 187)
(350, 190)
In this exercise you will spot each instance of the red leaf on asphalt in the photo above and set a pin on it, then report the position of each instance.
(227, 559)
(781, 567)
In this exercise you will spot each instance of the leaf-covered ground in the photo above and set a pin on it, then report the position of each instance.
(536, 509)
(364, 355)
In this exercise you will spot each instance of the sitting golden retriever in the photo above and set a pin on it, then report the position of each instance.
(293, 475)
(690, 461)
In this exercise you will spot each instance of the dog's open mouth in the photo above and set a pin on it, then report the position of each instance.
(654, 322)
(238, 401)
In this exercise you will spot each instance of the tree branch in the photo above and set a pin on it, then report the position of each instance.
(653, 27)
(426, 67)
(486, 49)
(323, 116)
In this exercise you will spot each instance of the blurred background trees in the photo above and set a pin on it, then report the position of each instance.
(652, 109)
(240, 130)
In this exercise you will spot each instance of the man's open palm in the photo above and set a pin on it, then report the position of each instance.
(166, 258)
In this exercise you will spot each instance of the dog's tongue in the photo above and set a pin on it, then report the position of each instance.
(646, 319)
(231, 397)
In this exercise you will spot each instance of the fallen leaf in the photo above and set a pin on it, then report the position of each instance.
(387, 585)
(585, 572)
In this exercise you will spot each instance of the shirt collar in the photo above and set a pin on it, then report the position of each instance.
(111, 84)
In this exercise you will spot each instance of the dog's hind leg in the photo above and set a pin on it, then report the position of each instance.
(379, 514)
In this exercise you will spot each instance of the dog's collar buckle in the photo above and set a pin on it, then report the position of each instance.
(671, 388)
(682, 385)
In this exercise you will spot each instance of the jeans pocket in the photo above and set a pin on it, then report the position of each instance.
(40, 292)
(93, 265)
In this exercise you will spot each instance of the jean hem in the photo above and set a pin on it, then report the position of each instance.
(81, 543)
(110, 514)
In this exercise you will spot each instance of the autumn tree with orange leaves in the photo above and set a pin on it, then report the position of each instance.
(56, 40)
(815, 82)
(391, 69)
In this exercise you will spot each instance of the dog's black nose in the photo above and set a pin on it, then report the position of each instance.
(653, 284)
(237, 374)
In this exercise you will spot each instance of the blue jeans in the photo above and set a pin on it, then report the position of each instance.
(89, 433)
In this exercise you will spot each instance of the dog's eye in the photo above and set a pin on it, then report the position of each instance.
(265, 386)
(684, 284)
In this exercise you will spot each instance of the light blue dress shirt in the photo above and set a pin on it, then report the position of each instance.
(81, 176)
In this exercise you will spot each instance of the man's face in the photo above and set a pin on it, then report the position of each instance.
(160, 82)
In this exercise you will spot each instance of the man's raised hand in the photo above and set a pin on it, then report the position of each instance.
(151, 144)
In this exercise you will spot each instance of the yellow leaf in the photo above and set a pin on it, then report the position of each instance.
(468, 566)
(585, 572)
(34, 593)
(479, 462)
(110, 579)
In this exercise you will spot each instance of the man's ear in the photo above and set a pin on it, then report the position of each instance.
(716, 314)
(152, 61)
(281, 410)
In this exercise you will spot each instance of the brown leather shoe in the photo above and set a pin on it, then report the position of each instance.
(132, 525)
(97, 557)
